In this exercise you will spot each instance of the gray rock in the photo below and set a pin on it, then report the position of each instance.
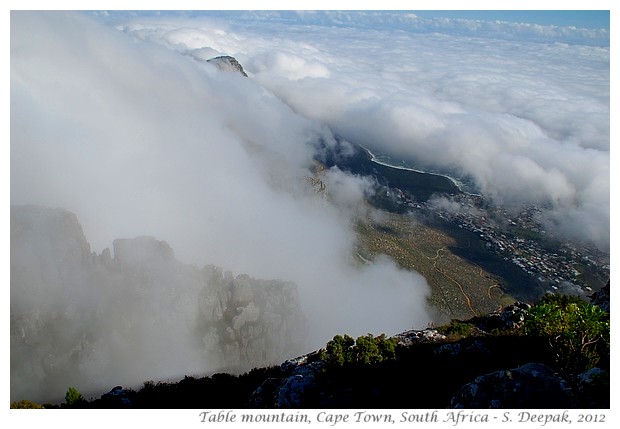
(532, 385)
(592, 388)
(228, 64)
(410, 337)
(508, 318)
(513, 316)
(290, 390)
(476, 349)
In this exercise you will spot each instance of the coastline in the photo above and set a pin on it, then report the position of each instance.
(460, 185)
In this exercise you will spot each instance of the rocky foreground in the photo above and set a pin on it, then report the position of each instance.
(489, 366)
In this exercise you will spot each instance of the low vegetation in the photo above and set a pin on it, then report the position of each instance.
(367, 349)
(24, 403)
(457, 329)
(577, 331)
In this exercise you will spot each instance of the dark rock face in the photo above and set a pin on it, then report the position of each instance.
(292, 389)
(228, 64)
(602, 298)
(117, 398)
(508, 318)
(532, 385)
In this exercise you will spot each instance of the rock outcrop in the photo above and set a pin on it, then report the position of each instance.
(137, 313)
(508, 318)
(227, 63)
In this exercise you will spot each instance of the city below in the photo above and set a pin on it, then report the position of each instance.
(522, 240)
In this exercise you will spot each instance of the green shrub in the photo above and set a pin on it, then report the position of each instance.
(25, 403)
(577, 331)
(456, 329)
(338, 351)
(366, 349)
(387, 347)
(73, 397)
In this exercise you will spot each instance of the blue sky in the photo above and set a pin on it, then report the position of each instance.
(594, 19)
(589, 27)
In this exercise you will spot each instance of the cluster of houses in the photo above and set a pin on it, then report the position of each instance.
(519, 239)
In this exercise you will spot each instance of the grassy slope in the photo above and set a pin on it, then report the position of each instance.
(460, 289)
(465, 279)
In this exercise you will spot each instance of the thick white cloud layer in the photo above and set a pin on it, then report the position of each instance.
(137, 139)
(520, 110)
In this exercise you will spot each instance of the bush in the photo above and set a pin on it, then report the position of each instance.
(338, 351)
(577, 331)
(364, 350)
(456, 329)
(24, 403)
(73, 397)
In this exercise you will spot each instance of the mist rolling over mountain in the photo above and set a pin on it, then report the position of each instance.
(138, 140)
(93, 320)
(123, 127)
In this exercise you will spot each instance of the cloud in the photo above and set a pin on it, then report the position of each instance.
(520, 110)
(288, 65)
(137, 139)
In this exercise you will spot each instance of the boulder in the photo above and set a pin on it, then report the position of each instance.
(532, 385)
(508, 318)
(291, 390)
(592, 389)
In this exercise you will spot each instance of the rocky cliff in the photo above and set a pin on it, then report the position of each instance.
(132, 314)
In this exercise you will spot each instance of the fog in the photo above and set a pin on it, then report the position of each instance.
(520, 110)
(118, 119)
(137, 139)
